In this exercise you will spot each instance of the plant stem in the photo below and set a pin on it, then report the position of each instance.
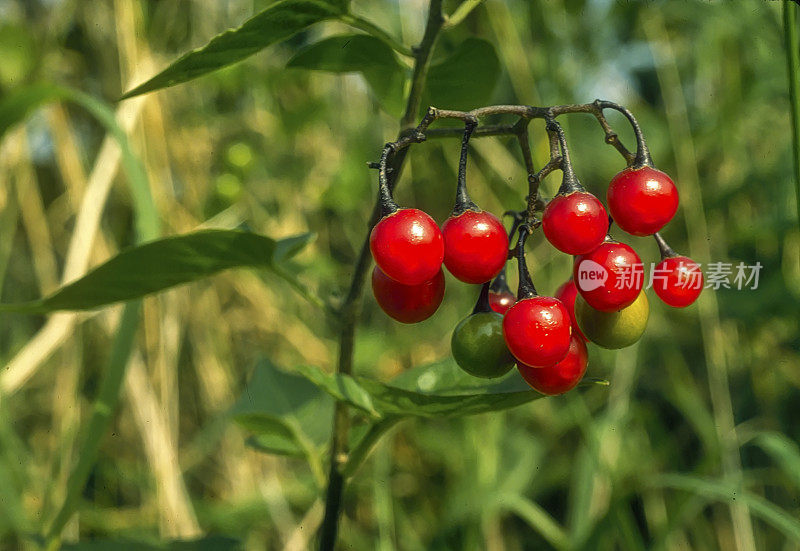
(461, 12)
(422, 62)
(793, 61)
(352, 304)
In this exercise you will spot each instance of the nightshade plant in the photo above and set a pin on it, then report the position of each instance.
(409, 248)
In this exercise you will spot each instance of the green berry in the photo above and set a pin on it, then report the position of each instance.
(479, 347)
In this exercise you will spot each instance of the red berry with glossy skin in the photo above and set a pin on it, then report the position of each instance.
(642, 200)
(475, 246)
(678, 281)
(561, 377)
(610, 277)
(566, 294)
(575, 223)
(537, 331)
(407, 303)
(501, 302)
(408, 246)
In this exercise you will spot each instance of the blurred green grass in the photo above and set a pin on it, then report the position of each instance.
(710, 392)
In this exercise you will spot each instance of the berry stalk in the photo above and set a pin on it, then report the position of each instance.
(526, 288)
(463, 200)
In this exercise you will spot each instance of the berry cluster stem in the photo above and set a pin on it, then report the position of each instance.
(393, 153)
(526, 288)
(570, 182)
(482, 305)
(642, 157)
(463, 200)
(663, 248)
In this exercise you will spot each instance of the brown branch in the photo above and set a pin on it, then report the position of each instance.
(392, 151)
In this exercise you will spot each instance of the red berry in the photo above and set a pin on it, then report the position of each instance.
(560, 377)
(575, 223)
(642, 200)
(610, 277)
(407, 303)
(475, 246)
(501, 302)
(537, 330)
(566, 294)
(408, 246)
(678, 281)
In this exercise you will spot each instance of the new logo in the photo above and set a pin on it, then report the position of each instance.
(591, 275)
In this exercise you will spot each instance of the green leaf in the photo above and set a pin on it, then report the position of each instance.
(715, 490)
(360, 53)
(466, 79)
(537, 518)
(287, 414)
(445, 377)
(783, 451)
(342, 387)
(210, 543)
(431, 391)
(277, 22)
(341, 5)
(164, 263)
(271, 435)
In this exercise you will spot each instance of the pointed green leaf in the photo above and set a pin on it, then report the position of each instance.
(718, 490)
(277, 22)
(464, 80)
(270, 435)
(164, 263)
(342, 387)
(287, 414)
(432, 391)
(363, 54)
(784, 451)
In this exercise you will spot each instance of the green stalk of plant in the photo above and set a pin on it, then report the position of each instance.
(102, 413)
(461, 12)
(351, 307)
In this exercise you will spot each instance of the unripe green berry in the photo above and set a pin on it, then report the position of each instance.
(479, 347)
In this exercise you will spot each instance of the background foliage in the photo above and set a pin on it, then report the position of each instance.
(694, 443)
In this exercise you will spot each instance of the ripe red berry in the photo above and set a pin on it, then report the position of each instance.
(566, 294)
(575, 223)
(475, 246)
(500, 296)
(561, 377)
(678, 281)
(408, 246)
(642, 200)
(610, 277)
(501, 302)
(407, 303)
(537, 330)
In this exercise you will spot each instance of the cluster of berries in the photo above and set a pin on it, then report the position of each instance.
(545, 337)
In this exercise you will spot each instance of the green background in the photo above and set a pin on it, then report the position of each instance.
(692, 446)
